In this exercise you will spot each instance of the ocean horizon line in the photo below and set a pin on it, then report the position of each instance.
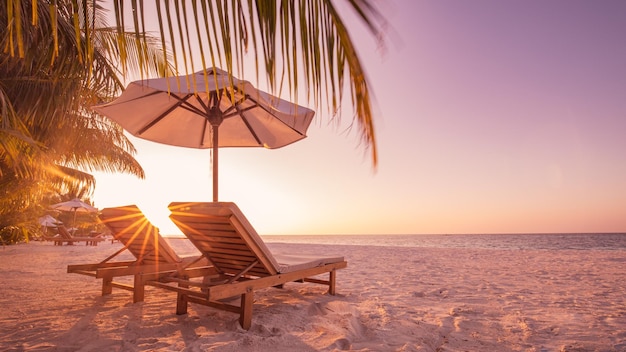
(431, 234)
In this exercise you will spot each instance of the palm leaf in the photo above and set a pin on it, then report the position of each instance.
(290, 39)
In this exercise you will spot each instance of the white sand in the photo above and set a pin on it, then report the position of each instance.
(389, 299)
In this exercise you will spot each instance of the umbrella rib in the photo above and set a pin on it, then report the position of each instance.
(192, 108)
(201, 102)
(229, 112)
(165, 113)
(238, 111)
(233, 106)
(182, 103)
(245, 121)
(135, 99)
(256, 137)
(269, 112)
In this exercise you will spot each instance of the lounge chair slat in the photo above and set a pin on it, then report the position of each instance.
(236, 252)
(221, 247)
(223, 252)
(243, 255)
(219, 230)
(219, 255)
(226, 257)
(224, 228)
(226, 263)
(221, 243)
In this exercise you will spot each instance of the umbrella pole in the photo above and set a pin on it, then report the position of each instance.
(215, 159)
(215, 118)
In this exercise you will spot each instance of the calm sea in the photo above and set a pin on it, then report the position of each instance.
(553, 241)
(597, 241)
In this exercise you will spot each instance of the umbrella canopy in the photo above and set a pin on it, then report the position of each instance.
(204, 110)
(48, 221)
(75, 205)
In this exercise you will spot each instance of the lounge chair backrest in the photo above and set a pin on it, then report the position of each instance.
(130, 226)
(64, 232)
(223, 235)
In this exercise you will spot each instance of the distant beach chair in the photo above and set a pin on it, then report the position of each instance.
(242, 261)
(64, 232)
(152, 253)
(64, 236)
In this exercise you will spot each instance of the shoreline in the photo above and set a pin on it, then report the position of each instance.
(389, 299)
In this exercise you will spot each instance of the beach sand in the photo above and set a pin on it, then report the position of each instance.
(389, 299)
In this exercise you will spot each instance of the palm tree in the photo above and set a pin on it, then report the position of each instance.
(49, 140)
(58, 57)
(296, 43)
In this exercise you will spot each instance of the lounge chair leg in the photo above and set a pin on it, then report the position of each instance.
(181, 304)
(245, 317)
(181, 301)
(331, 282)
(107, 288)
(138, 289)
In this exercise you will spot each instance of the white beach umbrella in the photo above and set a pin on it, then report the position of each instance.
(75, 205)
(49, 221)
(204, 110)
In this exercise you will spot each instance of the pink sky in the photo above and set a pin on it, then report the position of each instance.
(493, 116)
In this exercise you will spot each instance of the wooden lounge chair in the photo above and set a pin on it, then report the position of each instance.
(152, 253)
(64, 236)
(243, 262)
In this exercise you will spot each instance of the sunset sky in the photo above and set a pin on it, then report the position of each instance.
(492, 117)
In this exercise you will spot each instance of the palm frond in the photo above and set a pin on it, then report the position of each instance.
(290, 40)
(57, 57)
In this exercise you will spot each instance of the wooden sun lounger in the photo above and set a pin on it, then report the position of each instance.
(243, 263)
(65, 236)
(152, 253)
(89, 241)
